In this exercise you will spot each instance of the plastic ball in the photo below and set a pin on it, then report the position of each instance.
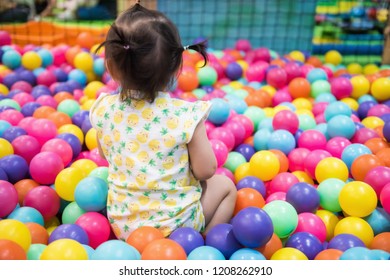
(8, 198)
(15, 167)
(5, 148)
(341, 87)
(311, 223)
(287, 120)
(220, 151)
(188, 238)
(66, 182)
(222, 237)
(64, 249)
(115, 250)
(363, 164)
(61, 148)
(207, 76)
(69, 107)
(380, 89)
(225, 135)
(91, 194)
(71, 213)
(31, 60)
(97, 227)
(246, 254)
(12, 59)
(284, 217)
(289, 253)
(233, 71)
(276, 77)
(330, 220)
(333, 57)
(360, 86)
(379, 220)
(312, 160)
(345, 241)
(329, 191)
(219, 112)
(234, 160)
(43, 130)
(297, 159)
(303, 197)
(10, 250)
(331, 167)
(305, 242)
(69, 231)
(341, 126)
(44, 199)
(54, 165)
(356, 226)
(357, 253)
(39, 234)
(381, 242)
(264, 165)
(329, 254)
(163, 249)
(73, 141)
(312, 139)
(206, 253)
(385, 198)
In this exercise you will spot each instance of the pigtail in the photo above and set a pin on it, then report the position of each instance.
(201, 48)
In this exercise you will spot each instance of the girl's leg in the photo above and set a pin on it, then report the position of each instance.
(218, 200)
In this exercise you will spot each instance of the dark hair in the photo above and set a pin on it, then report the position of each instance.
(144, 51)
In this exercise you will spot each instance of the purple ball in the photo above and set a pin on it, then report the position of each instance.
(73, 85)
(15, 167)
(385, 117)
(221, 237)
(70, 231)
(29, 108)
(62, 87)
(39, 91)
(246, 150)
(5, 107)
(303, 197)
(345, 241)
(60, 75)
(73, 141)
(86, 126)
(13, 132)
(233, 71)
(305, 242)
(386, 131)
(28, 76)
(13, 92)
(364, 107)
(3, 175)
(188, 238)
(10, 79)
(79, 117)
(254, 183)
(252, 227)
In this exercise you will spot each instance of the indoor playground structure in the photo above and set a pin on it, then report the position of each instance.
(300, 122)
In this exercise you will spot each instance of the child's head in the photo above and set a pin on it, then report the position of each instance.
(143, 51)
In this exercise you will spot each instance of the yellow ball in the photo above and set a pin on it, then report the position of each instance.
(302, 176)
(302, 103)
(52, 222)
(91, 76)
(264, 165)
(84, 165)
(330, 220)
(242, 171)
(289, 254)
(333, 57)
(83, 61)
(72, 129)
(279, 108)
(360, 86)
(370, 69)
(358, 199)
(380, 89)
(91, 89)
(352, 103)
(354, 68)
(31, 60)
(3, 90)
(270, 89)
(236, 84)
(87, 104)
(269, 112)
(372, 122)
(297, 55)
(244, 65)
(355, 226)
(331, 167)
(16, 231)
(6, 148)
(66, 182)
(90, 139)
(64, 249)
(50, 229)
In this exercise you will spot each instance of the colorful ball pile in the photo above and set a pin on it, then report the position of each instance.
(305, 141)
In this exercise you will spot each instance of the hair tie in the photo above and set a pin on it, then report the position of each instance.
(126, 47)
(186, 47)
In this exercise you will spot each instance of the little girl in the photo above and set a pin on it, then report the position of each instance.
(161, 164)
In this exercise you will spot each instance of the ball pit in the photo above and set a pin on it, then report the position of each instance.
(305, 141)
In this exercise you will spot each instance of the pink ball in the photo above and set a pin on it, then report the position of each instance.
(78, 93)
(276, 196)
(256, 71)
(209, 127)
(5, 38)
(59, 55)
(311, 223)
(95, 157)
(262, 54)
(45, 166)
(246, 122)
(336, 146)
(22, 85)
(83, 155)
(306, 68)
(364, 134)
(296, 159)
(225, 135)
(377, 178)
(243, 45)
(218, 68)
(319, 108)
(26, 146)
(385, 198)
(22, 98)
(226, 172)
(277, 77)
(281, 96)
(286, 120)
(282, 182)
(44, 199)
(96, 226)
(355, 118)
(220, 151)
(47, 100)
(12, 116)
(328, 71)
(312, 139)
(293, 70)
(218, 93)
(43, 130)
(61, 148)
(237, 129)
(341, 87)
(26, 123)
(378, 110)
(312, 159)
(46, 78)
(8, 198)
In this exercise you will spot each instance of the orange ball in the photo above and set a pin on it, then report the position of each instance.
(259, 98)
(10, 250)
(142, 236)
(384, 155)
(364, 163)
(270, 247)
(329, 254)
(188, 81)
(381, 242)
(278, 61)
(249, 141)
(39, 234)
(299, 87)
(85, 40)
(61, 96)
(43, 112)
(163, 249)
(340, 72)
(284, 163)
(315, 61)
(71, 53)
(376, 144)
(59, 119)
(247, 197)
(23, 187)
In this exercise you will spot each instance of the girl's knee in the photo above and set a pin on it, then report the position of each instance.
(227, 184)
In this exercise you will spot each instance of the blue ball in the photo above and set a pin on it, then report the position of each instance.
(246, 150)
(12, 59)
(345, 241)
(4, 125)
(98, 66)
(335, 109)
(342, 126)
(219, 112)
(60, 74)
(28, 76)
(188, 238)
(352, 151)
(29, 108)
(364, 107)
(78, 76)
(206, 253)
(379, 220)
(222, 238)
(69, 231)
(326, 97)
(247, 254)
(253, 183)
(305, 242)
(266, 123)
(90, 251)
(303, 197)
(15, 167)
(233, 71)
(91, 194)
(316, 74)
(237, 104)
(46, 56)
(281, 140)
(357, 253)
(27, 214)
(115, 250)
(380, 255)
(260, 139)
(367, 97)
(323, 128)
(10, 79)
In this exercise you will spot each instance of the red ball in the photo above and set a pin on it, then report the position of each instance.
(44, 199)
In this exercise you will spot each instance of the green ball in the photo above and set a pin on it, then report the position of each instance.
(284, 217)
(11, 103)
(329, 191)
(71, 213)
(241, 93)
(306, 122)
(256, 114)
(35, 250)
(218, 54)
(234, 160)
(228, 89)
(318, 87)
(69, 107)
(207, 76)
(331, 66)
(199, 93)
(100, 172)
